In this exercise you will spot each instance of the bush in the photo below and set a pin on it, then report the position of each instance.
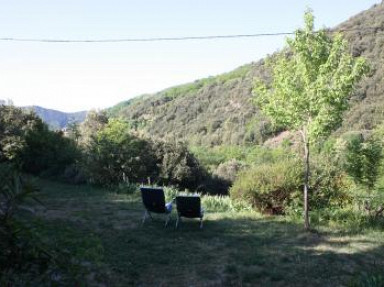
(117, 155)
(221, 179)
(214, 185)
(177, 165)
(362, 158)
(26, 141)
(228, 170)
(268, 187)
(48, 153)
(330, 186)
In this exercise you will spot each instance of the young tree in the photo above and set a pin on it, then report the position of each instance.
(312, 80)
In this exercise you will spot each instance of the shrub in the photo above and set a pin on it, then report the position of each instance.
(177, 166)
(330, 185)
(220, 180)
(214, 185)
(229, 170)
(362, 158)
(47, 152)
(115, 155)
(268, 187)
(26, 141)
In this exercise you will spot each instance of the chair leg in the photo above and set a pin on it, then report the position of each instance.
(144, 217)
(167, 220)
(201, 223)
(177, 221)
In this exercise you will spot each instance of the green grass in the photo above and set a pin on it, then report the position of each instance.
(102, 231)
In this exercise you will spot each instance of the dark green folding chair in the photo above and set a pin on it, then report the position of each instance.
(154, 202)
(189, 207)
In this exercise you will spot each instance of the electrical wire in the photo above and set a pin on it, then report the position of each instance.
(145, 39)
(160, 39)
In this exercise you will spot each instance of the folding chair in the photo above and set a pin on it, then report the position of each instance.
(154, 202)
(189, 207)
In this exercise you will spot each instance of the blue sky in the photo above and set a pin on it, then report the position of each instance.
(78, 76)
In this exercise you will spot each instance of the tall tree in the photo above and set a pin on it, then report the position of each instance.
(311, 82)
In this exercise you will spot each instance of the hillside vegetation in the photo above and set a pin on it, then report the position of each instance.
(210, 111)
(218, 110)
(365, 33)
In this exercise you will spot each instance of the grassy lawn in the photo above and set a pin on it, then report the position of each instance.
(103, 232)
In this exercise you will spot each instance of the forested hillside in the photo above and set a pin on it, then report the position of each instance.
(218, 110)
(209, 111)
(57, 120)
(365, 33)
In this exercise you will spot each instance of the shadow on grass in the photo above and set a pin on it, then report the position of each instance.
(242, 251)
(235, 249)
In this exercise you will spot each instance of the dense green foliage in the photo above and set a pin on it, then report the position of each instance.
(210, 111)
(269, 186)
(48, 152)
(311, 82)
(27, 142)
(363, 158)
(364, 32)
(116, 155)
(14, 125)
(310, 86)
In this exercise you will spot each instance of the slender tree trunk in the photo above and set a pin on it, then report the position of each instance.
(306, 185)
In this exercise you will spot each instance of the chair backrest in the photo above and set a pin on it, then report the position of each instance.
(153, 199)
(188, 206)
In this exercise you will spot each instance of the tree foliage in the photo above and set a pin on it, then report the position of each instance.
(27, 142)
(115, 155)
(310, 87)
(47, 151)
(312, 82)
(14, 125)
(363, 158)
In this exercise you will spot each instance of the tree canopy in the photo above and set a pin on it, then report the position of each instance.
(312, 80)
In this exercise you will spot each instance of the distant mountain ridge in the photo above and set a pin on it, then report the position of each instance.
(57, 120)
(219, 110)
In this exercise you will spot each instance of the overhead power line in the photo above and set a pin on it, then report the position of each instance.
(159, 39)
(146, 39)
